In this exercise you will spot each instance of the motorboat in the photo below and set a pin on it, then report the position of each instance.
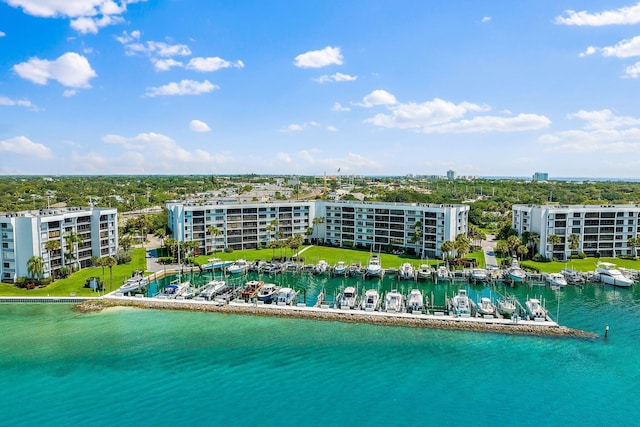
(216, 264)
(286, 296)
(572, 276)
(135, 283)
(240, 266)
(348, 298)
(556, 280)
(214, 288)
(406, 271)
(535, 310)
(272, 268)
(374, 268)
(354, 270)
(391, 271)
(257, 266)
(515, 273)
(175, 289)
(251, 288)
(393, 301)
(610, 275)
(290, 267)
(506, 306)
(485, 307)
(478, 275)
(370, 300)
(443, 273)
(321, 267)
(425, 272)
(340, 268)
(415, 301)
(460, 303)
(267, 292)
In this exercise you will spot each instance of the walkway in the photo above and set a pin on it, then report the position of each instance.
(488, 246)
(299, 252)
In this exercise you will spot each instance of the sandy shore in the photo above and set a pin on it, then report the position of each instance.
(408, 320)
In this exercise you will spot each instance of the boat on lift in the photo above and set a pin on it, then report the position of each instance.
(415, 301)
(393, 301)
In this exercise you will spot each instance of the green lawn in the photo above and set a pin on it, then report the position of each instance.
(587, 264)
(75, 282)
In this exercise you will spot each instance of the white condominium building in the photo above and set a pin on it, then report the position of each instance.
(378, 225)
(602, 230)
(25, 234)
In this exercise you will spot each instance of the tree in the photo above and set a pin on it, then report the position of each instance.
(533, 241)
(100, 262)
(71, 240)
(574, 242)
(513, 242)
(447, 246)
(110, 262)
(633, 243)
(522, 250)
(501, 247)
(51, 246)
(126, 242)
(462, 245)
(215, 232)
(35, 267)
(190, 246)
(172, 246)
(161, 233)
(554, 240)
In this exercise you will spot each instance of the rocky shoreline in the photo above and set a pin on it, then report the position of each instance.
(341, 316)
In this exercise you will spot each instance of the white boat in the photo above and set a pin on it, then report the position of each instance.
(285, 296)
(214, 288)
(374, 268)
(425, 272)
(460, 303)
(556, 280)
(267, 292)
(506, 306)
(216, 264)
(572, 276)
(535, 310)
(485, 307)
(321, 267)
(415, 302)
(348, 298)
(443, 273)
(175, 289)
(240, 266)
(515, 273)
(371, 300)
(610, 275)
(393, 301)
(134, 284)
(406, 271)
(479, 275)
(340, 267)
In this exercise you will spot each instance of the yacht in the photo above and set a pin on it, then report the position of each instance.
(214, 288)
(479, 275)
(515, 273)
(460, 303)
(393, 301)
(251, 288)
(340, 268)
(556, 280)
(241, 266)
(443, 273)
(424, 272)
(174, 289)
(535, 310)
(506, 306)
(415, 302)
(610, 275)
(406, 271)
(374, 268)
(371, 300)
(136, 282)
(216, 264)
(321, 267)
(285, 296)
(267, 292)
(572, 276)
(354, 270)
(485, 307)
(348, 298)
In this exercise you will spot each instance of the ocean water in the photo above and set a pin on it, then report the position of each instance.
(128, 366)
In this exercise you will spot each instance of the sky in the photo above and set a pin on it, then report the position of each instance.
(365, 87)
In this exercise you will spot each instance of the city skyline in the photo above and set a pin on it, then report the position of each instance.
(376, 88)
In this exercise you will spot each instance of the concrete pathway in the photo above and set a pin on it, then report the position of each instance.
(300, 251)
(488, 247)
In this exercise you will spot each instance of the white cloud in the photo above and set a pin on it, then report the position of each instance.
(338, 107)
(602, 131)
(485, 19)
(212, 64)
(332, 128)
(377, 97)
(160, 49)
(337, 77)
(633, 71)
(184, 87)
(199, 126)
(295, 127)
(128, 37)
(623, 49)
(284, 157)
(521, 122)
(69, 93)
(590, 51)
(87, 16)
(165, 64)
(2, 34)
(623, 15)
(319, 58)
(24, 146)
(17, 103)
(70, 70)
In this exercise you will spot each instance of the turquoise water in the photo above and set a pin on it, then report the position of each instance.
(146, 367)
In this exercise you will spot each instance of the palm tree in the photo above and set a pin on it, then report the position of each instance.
(51, 246)
(522, 250)
(215, 232)
(171, 245)
(574, 242)
(501, 247)
(534, 240)
(513, 242)
(317, 221)
(554, 240)
(110, 262)
(161, 233)
(35, 267)
(72, 239)
(190, 246)
(126, 242)
(101, 262)
(447, 246)
(269, 228)
(461, 245)
(633, 243)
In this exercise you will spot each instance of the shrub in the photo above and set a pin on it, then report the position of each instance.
(540, 258)
(64, 271)
(31, 285)
(123, 257)
(228, 249)
(165, 260)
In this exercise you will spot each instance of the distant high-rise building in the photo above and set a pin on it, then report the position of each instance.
(540, 176)
(451, 174)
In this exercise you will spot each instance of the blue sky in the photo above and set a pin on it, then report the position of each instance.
(291, 87)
